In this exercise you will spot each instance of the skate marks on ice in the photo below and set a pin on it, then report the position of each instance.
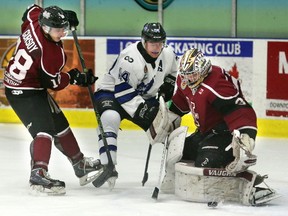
(128, 197)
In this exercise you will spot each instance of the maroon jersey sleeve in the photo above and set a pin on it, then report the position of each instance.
(226, 98)
(179, 100)
(37, 61)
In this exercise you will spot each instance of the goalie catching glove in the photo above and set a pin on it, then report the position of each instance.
(82, 79)
(242, 145)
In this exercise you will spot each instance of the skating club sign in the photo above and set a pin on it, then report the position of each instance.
(277, 79)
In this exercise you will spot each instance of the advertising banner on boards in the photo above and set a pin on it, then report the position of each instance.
(235, 56)
(277, 79)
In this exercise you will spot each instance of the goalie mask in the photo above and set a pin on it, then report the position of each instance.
(194, 67)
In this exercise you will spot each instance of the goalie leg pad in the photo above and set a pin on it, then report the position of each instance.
(216, 184)
(174, 153)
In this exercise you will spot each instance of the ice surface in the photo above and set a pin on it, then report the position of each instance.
(128, 197)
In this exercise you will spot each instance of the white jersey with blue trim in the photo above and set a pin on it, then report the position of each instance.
(134, 80)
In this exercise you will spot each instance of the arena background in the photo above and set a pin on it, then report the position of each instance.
(261, 30)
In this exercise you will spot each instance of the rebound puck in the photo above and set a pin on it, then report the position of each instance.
(212, 204)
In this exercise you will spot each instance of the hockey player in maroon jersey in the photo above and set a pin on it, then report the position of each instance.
(215, 100)
(35, 67)
(226, 128)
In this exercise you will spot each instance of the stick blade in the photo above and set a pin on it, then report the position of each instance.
(145, 178)
(155, 193)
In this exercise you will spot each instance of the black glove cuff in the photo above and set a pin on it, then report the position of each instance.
(176, 110)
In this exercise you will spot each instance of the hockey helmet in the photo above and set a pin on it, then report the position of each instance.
(153, 32)
(53, 17)
(194, 67)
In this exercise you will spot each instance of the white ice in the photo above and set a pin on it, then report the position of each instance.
(128, 198)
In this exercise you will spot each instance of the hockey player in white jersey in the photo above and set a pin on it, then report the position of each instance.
(130, 90)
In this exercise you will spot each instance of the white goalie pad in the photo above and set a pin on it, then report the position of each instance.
(176, 142)
(213, 184)
(164, 122)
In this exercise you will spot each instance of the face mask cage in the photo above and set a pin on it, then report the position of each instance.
(192, 79)
(194, 68)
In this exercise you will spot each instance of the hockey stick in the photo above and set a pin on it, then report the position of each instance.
(145, 177)
(82, 61)
(156, 189)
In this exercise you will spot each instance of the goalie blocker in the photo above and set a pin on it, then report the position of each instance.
(216, 184)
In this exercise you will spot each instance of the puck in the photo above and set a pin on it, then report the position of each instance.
(212, 204)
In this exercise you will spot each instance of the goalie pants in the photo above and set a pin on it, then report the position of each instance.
(209, 150)
(45, 121)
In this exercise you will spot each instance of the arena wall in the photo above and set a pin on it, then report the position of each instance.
(260, 64)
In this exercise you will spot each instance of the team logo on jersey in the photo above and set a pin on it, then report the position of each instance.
(183, 83)
(152, 5)
(145, 69)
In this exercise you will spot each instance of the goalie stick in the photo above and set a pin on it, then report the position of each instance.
(156, 189)
(145, 177)
(110, 166)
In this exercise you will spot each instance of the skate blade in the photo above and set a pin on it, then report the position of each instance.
(84, 180)
(111, 182)
(39, 190)
(266, 199)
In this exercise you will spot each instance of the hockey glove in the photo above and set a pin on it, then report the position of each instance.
(82, 79)
(72, 18)
(167, 88)
(145, 114)
(242, 146)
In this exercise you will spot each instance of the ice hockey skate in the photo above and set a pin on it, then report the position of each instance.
(41, 183)
(109, 175)
(263, 195)
(87, 170)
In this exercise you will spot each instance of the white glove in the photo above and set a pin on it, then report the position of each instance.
(158, 131)
(164, 123)
(243, 146)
